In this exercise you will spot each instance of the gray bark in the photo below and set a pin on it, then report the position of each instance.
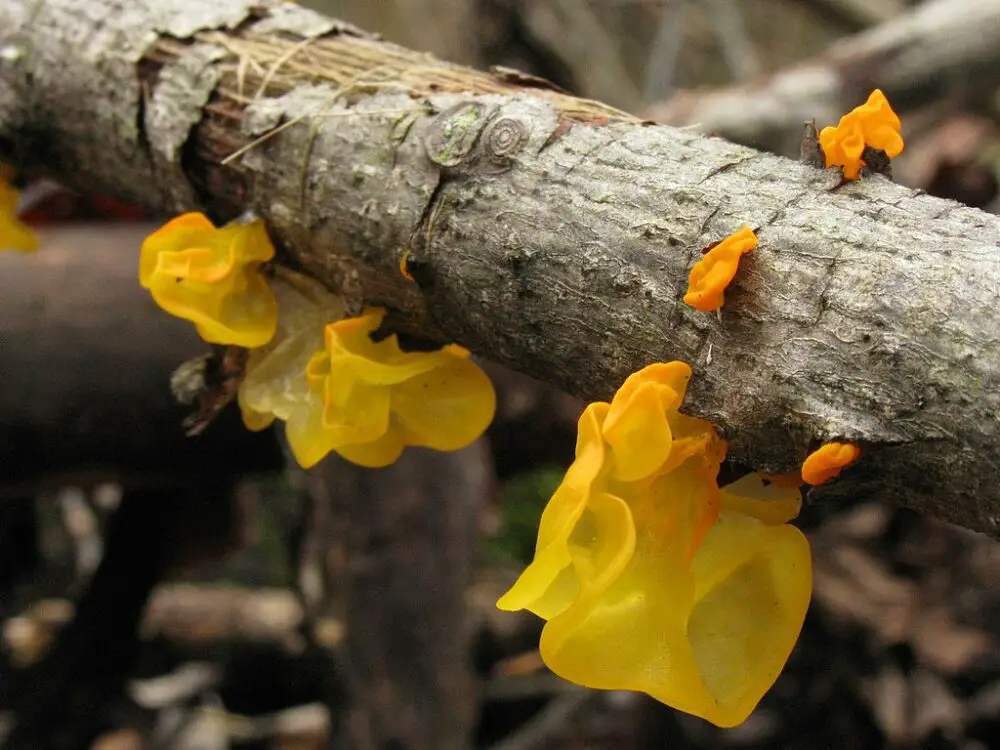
(941, 49)
(549, 233)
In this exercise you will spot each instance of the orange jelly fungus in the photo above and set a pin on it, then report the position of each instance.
(824, 463)
(404, 266)
(872, 124)
(368, 400)
(712, 274)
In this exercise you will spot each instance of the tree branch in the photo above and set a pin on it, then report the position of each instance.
(549, 233)
(941, 48)
(860, 13)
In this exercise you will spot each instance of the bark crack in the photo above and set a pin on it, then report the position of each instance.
(421, 237)
(586, 155)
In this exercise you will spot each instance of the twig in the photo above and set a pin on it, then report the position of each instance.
(663, 55)
(941, 48)
(737, 47)
(538, 731)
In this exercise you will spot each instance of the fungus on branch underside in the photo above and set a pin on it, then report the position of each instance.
(212, 277)
(649, 576)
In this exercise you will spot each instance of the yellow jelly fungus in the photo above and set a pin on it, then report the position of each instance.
(212, 277)
(253, 420)
(826, 462)
(773, 499)
(711, 275)
(872, 124)
(650, 577)
(367, 400)
(14, 233)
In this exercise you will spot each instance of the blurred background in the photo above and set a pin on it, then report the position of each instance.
(159, 591)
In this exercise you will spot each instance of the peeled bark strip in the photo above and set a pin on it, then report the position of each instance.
(549, 233)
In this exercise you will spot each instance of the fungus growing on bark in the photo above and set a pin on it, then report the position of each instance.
(367, 400)
(711, 275)
(872, 124)
(827, 461)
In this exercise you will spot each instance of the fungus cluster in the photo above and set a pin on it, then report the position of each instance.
(334, 386)
(649, 576)
(368, 400)
(873, 125)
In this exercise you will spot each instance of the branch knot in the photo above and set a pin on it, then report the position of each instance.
(454, 133)
(503, 138)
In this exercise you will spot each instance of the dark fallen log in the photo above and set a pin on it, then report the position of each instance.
(85, 365)
(410, 540)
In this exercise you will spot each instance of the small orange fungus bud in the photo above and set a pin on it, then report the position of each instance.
(825, 463)
(872, 124)
(212, 277)
(711, 275)
(14, 233)
(404, 268)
